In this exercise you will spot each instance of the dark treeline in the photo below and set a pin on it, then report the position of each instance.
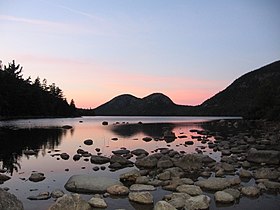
(21, 97)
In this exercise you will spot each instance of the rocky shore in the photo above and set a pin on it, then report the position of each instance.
(251, 154)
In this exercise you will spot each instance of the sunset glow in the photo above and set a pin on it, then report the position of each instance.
(96, 50)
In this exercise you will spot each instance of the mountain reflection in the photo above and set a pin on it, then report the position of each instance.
(154, 130)
(14, 142)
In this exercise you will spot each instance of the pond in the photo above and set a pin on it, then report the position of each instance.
(48, 139)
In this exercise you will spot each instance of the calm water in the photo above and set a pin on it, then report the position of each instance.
(48, 139)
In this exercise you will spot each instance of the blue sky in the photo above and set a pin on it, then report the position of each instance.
(95, 50)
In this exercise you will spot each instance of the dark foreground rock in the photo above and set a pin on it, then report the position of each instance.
(89, 184)
(9, 201)
(263, 156)
(70, 202)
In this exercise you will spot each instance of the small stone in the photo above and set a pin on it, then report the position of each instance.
(163, 205)
(141, 197)
(250, 191)
(57, 193)
(64, 156)
(37, 177)
(97, 202)
(141, 187)
(189, 189)
(88, 142)
(223, 197)
(118, 190)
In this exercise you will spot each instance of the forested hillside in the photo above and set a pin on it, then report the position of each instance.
(21, 97)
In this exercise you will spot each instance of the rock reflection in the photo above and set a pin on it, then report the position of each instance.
(15, 142)
(155, 130)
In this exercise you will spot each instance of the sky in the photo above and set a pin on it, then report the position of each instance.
(95, 50)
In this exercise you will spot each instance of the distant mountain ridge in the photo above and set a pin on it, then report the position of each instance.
(255, 95)
(129, 105)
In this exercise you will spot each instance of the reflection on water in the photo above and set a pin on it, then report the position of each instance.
(15, 141)
(48, 140)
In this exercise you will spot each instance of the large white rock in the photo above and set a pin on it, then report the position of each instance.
(89, 184)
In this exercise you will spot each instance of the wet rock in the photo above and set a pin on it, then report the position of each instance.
(189, 142)
(147, 139)
(167, 163)
(141, 188)
(189, 189)
(263, 156)
(121, 152)
(67, 127)
(164, 176)
(245, 174)
(138, 152)
(234, 192)
(120, 159)
(37, 177)
(163, 205)
(223, 197)
(98, 159)
(88, 142)
(141, 197)
(250, 191)
(169, 136)
(105, 123)
(226, 152)
(29, 152)
(189, 162)
(246, 164)
(114, 139)
(272, 185)
(177, 199)
(142, 180)
(198, 202)
(70, 202)
(96, 168)
(214, 183)
(57, 193)
(64, 156)
(97, 202)
(4, 177)
(89, 184)
(40, 196)
(266, 173)
(228, 167)
(146, 162)
(9, 201)
(76, 157)
(130, 176)
(118, 190)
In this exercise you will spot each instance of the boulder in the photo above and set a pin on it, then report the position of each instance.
(57, 193)
(97, 203)
(118, 190)
(98, 159)
(141, 197)
(198, 202)
(120, 159)
(214, 183)
(245, 174)
(138, 152)
(37, 177)
(223, 197)
(234, 192)
(70, 202)
(64, 156)
(130, 176)
(141, 187)
(121, 152)
(89, 184)
(263, 156)
(163, 205)
(40, 196)
(9, 201)
(88, 142)
(250, 191)
(266, 173)
(272, 185)
(4, 177)
(189, 189)
(189, 162)
(178, 199)
(146, 162)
